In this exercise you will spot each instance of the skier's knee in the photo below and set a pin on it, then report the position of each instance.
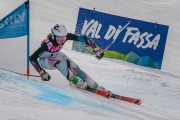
(56, 63)
(62, 67)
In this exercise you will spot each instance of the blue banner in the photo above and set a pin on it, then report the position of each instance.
(15, 23)
(136, 41)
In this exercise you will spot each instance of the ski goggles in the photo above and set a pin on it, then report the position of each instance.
(60, 39)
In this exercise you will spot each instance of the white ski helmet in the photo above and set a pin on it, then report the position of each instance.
(59, 30)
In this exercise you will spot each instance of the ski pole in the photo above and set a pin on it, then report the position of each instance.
(129, 22)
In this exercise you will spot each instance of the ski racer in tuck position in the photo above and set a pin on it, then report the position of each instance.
(48, 56)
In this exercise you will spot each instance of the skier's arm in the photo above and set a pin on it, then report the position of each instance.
(35, 55)
(83, 39)
(33, 59)
(99, 53)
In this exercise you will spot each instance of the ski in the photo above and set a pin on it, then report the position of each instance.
(127, 99)
(105, 94)
(108, 95)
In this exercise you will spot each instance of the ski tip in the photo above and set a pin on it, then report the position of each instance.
(138, 101)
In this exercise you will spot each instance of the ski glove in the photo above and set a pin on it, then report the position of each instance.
(99, 53)
(44, 75)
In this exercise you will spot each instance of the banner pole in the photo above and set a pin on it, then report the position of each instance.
(28, 37)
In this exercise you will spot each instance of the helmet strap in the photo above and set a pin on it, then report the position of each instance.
(53, 37)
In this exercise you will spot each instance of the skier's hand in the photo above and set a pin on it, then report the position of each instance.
(99, 53)
(44, 75)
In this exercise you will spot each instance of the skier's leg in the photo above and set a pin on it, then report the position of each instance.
(63, 67)
(74, 69)
(80, 73)
(47, 63)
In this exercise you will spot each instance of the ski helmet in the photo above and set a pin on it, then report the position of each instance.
(59, 30)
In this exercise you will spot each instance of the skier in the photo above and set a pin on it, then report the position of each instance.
(49, 56)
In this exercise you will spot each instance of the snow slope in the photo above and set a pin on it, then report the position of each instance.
(29, 99)
(33, 100)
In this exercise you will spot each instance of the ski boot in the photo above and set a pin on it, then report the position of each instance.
(79, 83)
